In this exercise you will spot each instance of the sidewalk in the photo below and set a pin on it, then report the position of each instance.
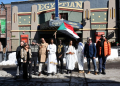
(112, 78)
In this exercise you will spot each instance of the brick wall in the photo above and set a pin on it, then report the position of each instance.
(3, 16)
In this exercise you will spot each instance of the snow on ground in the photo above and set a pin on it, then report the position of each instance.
(12, 58)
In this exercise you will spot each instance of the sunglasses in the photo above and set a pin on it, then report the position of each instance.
(90, 39)
(103, 36)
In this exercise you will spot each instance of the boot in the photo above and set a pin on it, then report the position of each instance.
(103, 71)
(99, 73)
(95, 73)
(88, 72)
(61, 71)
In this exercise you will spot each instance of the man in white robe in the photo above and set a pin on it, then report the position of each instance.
(70, 58)
(80, 57)
(52, 60)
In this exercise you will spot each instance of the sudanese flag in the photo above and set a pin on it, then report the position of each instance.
(68, 30)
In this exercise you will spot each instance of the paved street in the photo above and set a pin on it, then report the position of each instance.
(112, 78)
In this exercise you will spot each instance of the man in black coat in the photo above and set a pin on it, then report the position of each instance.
(60, 56)
(18, 57)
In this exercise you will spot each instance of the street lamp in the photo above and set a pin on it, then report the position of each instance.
(2, 8)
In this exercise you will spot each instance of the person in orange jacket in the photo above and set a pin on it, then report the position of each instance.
(103, 51)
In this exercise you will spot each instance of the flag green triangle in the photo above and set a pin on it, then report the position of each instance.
(62, 27)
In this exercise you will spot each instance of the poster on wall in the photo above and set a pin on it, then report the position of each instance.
(3, 23)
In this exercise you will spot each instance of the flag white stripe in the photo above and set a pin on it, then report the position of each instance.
(71, 32)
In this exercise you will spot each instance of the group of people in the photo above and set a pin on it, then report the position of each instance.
(53, 53)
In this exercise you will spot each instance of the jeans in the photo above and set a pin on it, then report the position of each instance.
(93, 61)
(102, 62)
(34, 59)
(19, 65)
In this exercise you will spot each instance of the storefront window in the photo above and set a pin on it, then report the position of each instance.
(61, 15)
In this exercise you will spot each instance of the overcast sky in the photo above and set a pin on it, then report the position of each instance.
(9, 1)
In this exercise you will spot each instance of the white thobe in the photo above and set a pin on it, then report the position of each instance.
(70, 59)
(80, 58)
(52, 60)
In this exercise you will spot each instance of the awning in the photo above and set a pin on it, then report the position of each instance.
(54, 24)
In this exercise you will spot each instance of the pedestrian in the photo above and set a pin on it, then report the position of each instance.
(42, 56)
(34, 48)
(26, 56)
(70, 57)
(60, 56)
(103, 51)
(52, 60)
(80, 58)
(90, 54)
(18, 57)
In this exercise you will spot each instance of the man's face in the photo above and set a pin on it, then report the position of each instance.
(103, 36)
(60, 41)
(51, 40)
(33, 42)
(21, 43)
(70, 42)
(43, 40)
(90, 40)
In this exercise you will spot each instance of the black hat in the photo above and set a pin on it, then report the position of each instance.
(34, 41)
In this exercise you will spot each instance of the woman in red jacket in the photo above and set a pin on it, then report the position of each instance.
(103, 51)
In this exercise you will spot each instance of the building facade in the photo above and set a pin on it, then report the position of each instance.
(30, 19)
(5, 37)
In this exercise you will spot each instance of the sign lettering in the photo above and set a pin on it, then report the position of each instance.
(73, 4)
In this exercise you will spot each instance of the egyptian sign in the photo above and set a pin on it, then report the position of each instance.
(68, 4)
(3, 23)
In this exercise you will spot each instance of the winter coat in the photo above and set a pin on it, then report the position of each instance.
(107, 48)
(18, 51)
(43, 52)
(90, 50)
(24, 54)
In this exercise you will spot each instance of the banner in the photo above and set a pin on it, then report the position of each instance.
(3, 25)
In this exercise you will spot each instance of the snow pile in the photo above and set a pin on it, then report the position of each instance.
(11, 60)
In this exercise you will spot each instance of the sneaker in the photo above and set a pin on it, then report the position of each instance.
(35, 73)
(88, 72)
(48, 74)
(81, 71)
(39, 74)
(17, 77)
